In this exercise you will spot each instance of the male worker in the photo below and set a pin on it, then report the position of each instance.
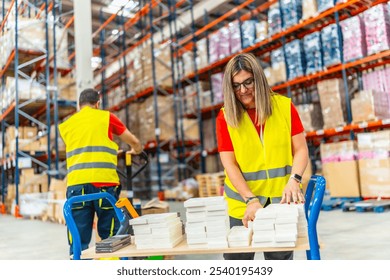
(91, 157)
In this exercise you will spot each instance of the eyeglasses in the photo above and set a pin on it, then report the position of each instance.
(248, 84)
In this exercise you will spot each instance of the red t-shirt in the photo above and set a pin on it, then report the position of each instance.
(223, 136)
(116, 127)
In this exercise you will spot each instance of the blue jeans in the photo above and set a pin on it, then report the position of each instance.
(84, 214)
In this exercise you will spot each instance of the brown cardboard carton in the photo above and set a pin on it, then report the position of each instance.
(342, 178)
(57, 185)
(155, 206)
(375, 177)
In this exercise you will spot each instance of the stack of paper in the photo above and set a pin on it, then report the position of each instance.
(277, 225)
(207, 223)
(157, 231)
(113, 243)
(240, 236)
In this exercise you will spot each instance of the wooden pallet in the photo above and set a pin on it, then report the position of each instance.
(371, 205)
(210, 184)
(337, 203)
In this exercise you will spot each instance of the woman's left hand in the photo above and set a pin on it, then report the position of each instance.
(292, 193)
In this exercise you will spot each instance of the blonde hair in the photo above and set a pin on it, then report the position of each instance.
(233, 108)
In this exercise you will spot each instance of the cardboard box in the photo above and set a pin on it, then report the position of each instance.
(375, 177)
(342, 178)
(58, 185)
(155, 206)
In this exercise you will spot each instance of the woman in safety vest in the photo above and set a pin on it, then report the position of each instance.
(261, 145)
(91, 158)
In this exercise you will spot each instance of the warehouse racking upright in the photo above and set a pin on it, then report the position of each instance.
(31, 107)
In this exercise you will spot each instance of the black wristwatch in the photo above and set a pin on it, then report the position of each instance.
(296, 177)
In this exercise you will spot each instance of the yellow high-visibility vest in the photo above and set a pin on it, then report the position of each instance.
(266, 165)
(91, 156)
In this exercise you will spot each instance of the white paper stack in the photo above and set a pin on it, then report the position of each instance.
(240, 236)
(279, 225)
(207, 223)
(157, 231)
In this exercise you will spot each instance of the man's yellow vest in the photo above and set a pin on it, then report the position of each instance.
(91, 156)
(266, 166)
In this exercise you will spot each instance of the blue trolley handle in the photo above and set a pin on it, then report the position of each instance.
(71, 223)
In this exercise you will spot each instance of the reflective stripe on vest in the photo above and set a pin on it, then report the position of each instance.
(91, 154)
(91, 149)
(266, 166)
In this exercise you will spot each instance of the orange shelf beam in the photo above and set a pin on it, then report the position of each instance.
(8, 111)
(6, 15)
(350, 127)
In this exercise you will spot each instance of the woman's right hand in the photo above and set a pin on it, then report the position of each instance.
(250, 212)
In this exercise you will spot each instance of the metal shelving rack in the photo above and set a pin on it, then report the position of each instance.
(166, 154)
(42, 111)
(337, 13)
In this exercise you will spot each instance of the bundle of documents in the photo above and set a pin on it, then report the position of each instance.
(240, 236)
(113, 243)
(157, 231)
(279, 225)
(207, 223)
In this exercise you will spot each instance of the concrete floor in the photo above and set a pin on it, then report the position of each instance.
(345, 236)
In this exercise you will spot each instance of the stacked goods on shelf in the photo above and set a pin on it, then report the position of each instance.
(31, 37)
(279, 225)
(261, 30)
(340, 168)
(313, 52)
(162, 66)
(295, 59)
(188, 63)
(330, 41)
(278, 72)
(216, 84)
(67, 88)
(240, 236)
(207, 222)
(166, 115)
(224, 43)
(157, 231)
(214, 42)
(235, 37)
(204, 93)
(27, 89)
(57, 198)
(376, 83)
(374, 163)
(291, 12)
(354, 43)
(201, 55)
(311, 116)
(309, 8)
(248, 28)
(362, 106)
(210, 184)
(324, 5)
(332, 99)
(29, 141)
(33, 193)
(274, 20)
(377, 28)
